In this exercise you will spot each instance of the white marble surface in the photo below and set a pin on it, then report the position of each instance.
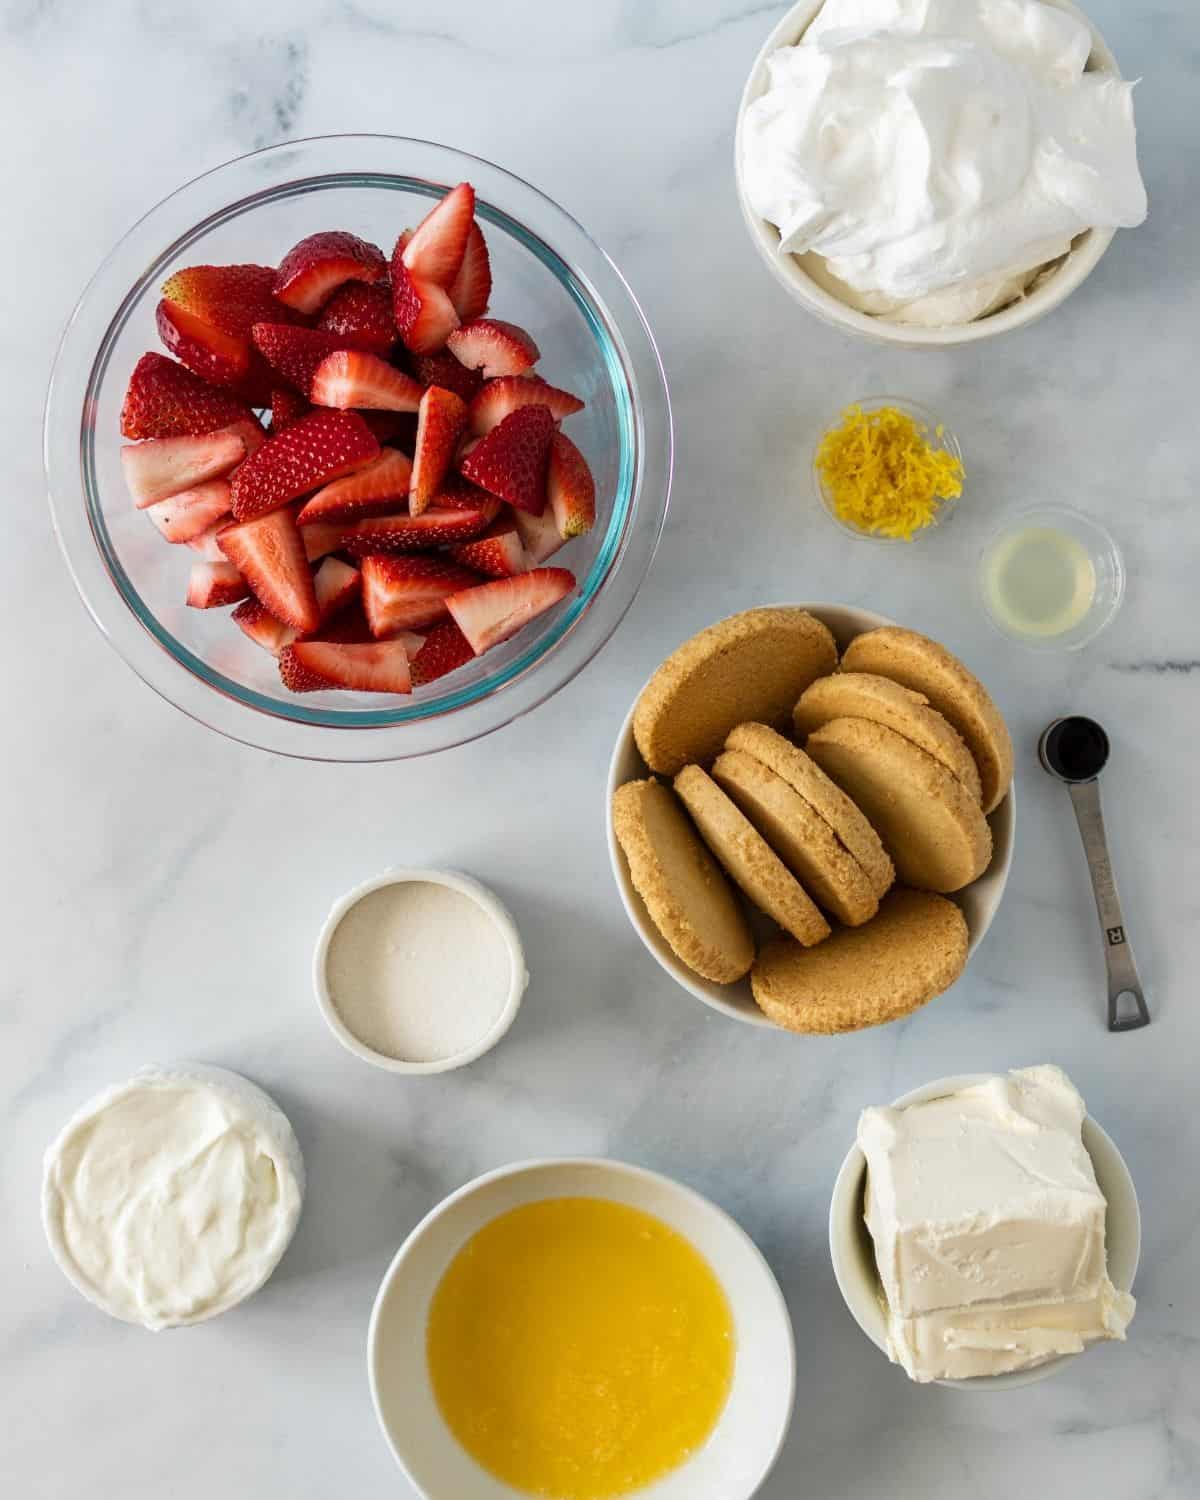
(162, 888)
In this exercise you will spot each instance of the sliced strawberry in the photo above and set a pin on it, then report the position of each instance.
(511, 460)
(445, 649)
(423, 311)
(349, 626)
(441, 525)
(441, 418)
(212, 585)
(205, 544)
(373, 490)
(491, 612)
(270, 556)
(498, 552)
(295, 353)
(164, 466)
(472, 287)
(321, 263)
(205, 319)
(361, 316)
(435, 249)
(190, 513)
(262, 627)
(508, 393)
(403, 593)
(335, 584)
(312, 666)
(320, 447)
(539, 535)
(323, 538)
(398, 427)
(443, 369)
(493, 346)
(570, 488)
(164, 399)
(354, 378)
(287, 407)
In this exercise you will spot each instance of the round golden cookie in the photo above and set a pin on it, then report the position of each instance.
(687, 897)
(748, 858)
(930, 824)
(863, 695)
(800, 836)
(803, 775)
(916, 662)
(915, 948)
(750, 666)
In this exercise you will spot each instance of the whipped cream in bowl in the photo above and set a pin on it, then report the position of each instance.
(935, 171)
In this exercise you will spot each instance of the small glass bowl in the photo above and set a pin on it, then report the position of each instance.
(1103, 554)
(550, 276)
(944, 439)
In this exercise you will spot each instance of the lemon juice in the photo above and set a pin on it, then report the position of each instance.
(1038, 581)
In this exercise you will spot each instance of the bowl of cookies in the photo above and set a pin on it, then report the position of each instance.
(810, 817)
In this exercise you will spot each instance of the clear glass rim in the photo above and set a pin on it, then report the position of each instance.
(947, 438)
(625, 345)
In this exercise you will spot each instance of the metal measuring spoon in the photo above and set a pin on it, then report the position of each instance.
(1076, 751)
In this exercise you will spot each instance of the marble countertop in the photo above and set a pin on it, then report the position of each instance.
(162, 887)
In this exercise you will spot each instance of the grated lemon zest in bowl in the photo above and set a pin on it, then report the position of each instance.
(883, 475)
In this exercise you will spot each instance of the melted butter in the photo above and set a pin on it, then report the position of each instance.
(580, 1348)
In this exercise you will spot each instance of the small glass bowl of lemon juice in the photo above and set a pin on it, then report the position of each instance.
(1051, 578)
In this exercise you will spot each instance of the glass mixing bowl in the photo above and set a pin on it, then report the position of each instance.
(549, 276)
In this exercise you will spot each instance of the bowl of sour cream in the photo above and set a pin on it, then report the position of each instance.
(935, 172)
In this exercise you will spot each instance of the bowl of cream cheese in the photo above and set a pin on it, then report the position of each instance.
(935, 173)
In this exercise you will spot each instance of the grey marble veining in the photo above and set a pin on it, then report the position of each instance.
(162, 887)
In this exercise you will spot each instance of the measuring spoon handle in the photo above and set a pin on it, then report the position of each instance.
(1123, 981)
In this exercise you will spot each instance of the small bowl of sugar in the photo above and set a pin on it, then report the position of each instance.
(419, 971)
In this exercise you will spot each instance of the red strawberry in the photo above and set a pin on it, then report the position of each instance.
(570, 488)
(164, 466)
(495, 347)
(373, 490)
(441, 417)
(321, 263)
(335, 584)
(190, 513)
(434, 251)
(404, 593)
(399, 427)
(262, 627)
(323, 538)
(361, 316)
(212, 585)
(320, 447)
(270, 556)
(205, 319)
(508, 393)
(349, 626)
(164, 399)
(497, 552)
(295, 353)
(312, 666)
(491, 612)
(511, 460)
(539, 535)
(423, 312)
(355, 378)
(287, 407)
(438, 526)
(205, 544)
(472, 287)
(445, 648)
(443, 369)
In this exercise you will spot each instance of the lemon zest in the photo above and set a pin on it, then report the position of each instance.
(882, 474)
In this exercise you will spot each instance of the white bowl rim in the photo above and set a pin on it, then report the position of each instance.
(1078, 264)
(692, 983)
(465, 885)
(844, 1203)
(617, 1168)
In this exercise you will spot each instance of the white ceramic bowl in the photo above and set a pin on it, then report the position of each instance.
(979, 901)
(1076, 267)
(518, 976)
(853, 1252)
(750, 1431)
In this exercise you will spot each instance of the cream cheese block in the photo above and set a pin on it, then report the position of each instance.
(172, 1197)
(989, 1228)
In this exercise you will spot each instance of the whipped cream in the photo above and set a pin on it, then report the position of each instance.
(929, 160)
(989, 1228)
(172, 1197)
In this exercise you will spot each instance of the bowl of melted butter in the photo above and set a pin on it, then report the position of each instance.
(581, 1330)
